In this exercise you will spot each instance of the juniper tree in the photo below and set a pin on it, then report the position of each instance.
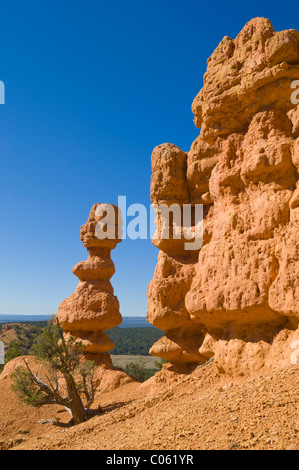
(14, 351)
(67, 378)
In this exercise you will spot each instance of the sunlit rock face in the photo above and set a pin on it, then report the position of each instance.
(93, 308)
(231, 298)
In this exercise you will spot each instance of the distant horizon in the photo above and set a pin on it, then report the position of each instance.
(127, 321)
(49, 315)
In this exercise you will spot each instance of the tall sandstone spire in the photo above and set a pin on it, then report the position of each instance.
(93, 308)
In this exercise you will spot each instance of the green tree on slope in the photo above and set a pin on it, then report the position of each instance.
(71, 378)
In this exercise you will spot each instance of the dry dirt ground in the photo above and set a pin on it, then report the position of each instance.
(199, 411)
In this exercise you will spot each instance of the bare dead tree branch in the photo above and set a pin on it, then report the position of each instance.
(56, 423)
(53, 397)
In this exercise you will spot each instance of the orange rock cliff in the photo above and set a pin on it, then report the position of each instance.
(237, 298)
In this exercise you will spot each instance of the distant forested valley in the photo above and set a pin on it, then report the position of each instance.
(128, 341)
(133, 341)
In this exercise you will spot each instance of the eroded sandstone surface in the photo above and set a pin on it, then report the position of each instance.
(233, 298)
(93, 308)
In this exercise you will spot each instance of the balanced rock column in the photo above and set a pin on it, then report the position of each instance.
(93, 308)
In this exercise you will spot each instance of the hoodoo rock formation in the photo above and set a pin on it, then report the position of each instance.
(237, 298)
(93, 308)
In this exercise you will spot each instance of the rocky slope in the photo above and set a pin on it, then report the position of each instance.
(203, 410)
(21, 333)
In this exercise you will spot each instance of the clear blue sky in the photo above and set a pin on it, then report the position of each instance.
(91, 88)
